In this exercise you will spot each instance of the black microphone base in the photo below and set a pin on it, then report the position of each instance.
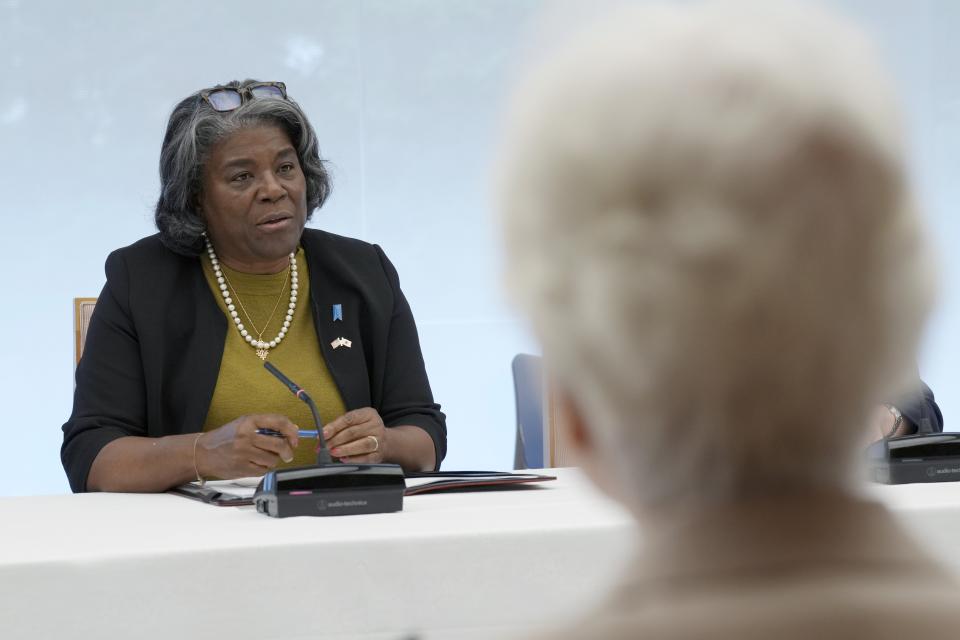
(331, 490)
(927, 457)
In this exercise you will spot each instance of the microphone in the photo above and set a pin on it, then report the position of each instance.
(323, 454)
(327, 488)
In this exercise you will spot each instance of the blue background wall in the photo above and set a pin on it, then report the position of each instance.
(405, 96)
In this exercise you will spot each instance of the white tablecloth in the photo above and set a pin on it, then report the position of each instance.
(468, 565)
(931, 512)
(453, 566)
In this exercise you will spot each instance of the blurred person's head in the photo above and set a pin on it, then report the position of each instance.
(708, 223)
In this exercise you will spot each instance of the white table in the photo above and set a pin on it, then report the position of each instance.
(468, 565)
(931, 512)
(454, 566)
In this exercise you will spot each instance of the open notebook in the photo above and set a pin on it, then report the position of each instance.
(239, 492)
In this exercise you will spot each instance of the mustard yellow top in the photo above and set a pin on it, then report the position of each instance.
(244, 387)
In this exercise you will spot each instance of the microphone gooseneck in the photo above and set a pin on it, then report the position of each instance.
(323, 454)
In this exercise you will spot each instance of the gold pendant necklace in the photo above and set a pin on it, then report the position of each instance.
(262, 352)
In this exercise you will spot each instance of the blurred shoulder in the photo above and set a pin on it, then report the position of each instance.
(836, 604)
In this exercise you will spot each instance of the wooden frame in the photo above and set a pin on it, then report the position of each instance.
(555, 452)
(82, 310)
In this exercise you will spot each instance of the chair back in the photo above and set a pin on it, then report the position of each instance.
(528, 391)
(82, 311)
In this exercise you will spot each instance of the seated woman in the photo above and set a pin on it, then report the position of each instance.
(172, 387)
(709, 223)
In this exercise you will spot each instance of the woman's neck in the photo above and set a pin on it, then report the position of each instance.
(256, 268)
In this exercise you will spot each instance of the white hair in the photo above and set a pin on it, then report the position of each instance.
(707, 221)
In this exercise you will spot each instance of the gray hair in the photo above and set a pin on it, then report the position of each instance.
(707, 220)
(193, 129)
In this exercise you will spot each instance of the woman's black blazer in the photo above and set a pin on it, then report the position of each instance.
(153, 349)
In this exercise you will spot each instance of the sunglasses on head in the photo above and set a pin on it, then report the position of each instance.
(229, 98)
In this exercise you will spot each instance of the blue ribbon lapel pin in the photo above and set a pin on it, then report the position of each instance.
(338, 312)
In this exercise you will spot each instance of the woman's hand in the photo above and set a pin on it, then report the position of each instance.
(883, 424)
(236, 450)
(357, 436)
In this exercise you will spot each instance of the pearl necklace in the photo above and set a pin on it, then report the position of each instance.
(262, 347)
